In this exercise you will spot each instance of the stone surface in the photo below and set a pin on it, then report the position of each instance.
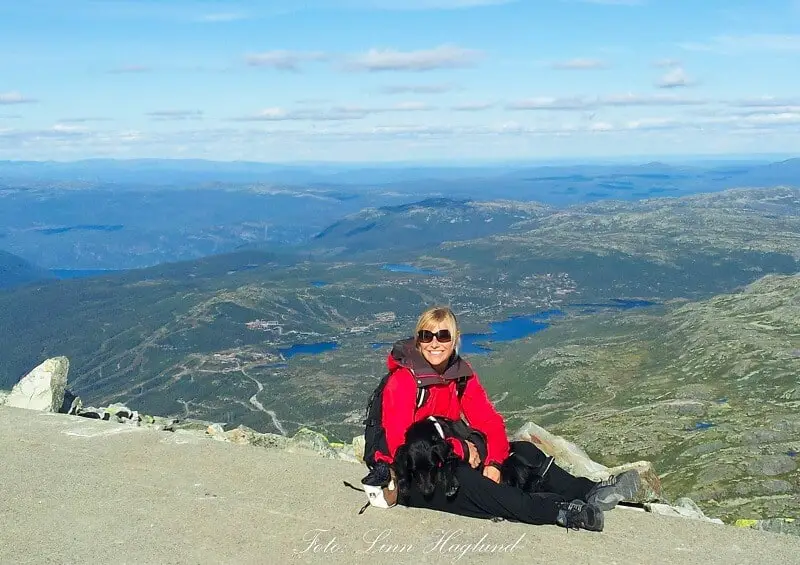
(650, 489)
(359, 446)
(776, 525)
(683, 508)
(3, 396)
(202, 501)
(43, 388)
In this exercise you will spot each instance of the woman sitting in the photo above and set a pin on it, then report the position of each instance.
(533, 489)
(428, 377)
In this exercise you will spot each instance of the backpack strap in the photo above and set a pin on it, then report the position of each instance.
(461, 386)
(425, 381)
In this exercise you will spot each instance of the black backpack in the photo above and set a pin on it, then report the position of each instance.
(374, 433)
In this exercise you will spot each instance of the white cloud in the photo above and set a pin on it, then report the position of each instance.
(169, 115)
(549, 103)
(336, 113)
(284, 60)
(83, 120)
(765, 102)
(649, 100)
(417, 88)
(733, 44)
(14, 97)
(675, 78)
(69, 128)
(473, 106)
(442, 57)
(579, 65)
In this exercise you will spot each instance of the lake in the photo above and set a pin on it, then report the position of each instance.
(510, 329)
(307, 348)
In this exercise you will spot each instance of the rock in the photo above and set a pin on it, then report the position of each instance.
(359, 446)
(216, 431)
(122, 413)
(3, 395)
(650, 489)
(771, 465)
(775, 525)
(43, 388)
(763, 435)
(190, 424)
(314, 441)
(240, 436)
(568, 456)
(91, 412)
(72, 404)
(269, 441)
(683, 508)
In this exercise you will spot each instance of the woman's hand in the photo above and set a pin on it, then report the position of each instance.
(474, 456)
(491, 472)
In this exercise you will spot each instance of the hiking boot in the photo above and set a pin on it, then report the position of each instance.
(613, 490)
(578, 514)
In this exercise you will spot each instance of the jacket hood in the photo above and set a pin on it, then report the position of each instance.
(404, 354)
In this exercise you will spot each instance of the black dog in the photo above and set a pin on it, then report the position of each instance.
(426, 460)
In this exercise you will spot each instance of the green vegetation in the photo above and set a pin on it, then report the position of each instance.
(704, 384)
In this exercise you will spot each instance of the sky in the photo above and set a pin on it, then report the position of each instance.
(397, 80)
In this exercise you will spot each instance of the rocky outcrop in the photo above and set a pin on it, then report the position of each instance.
(45, 389)
(42, 389)
(573, 459)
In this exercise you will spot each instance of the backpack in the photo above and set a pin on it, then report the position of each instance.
(374, 434)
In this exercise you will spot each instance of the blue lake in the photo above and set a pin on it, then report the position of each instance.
(513, 328)
(308, 348)
(614, 304)
(703, 425)
(318, 284)
(410, 269)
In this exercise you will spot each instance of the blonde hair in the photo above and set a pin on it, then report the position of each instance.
(438, 315)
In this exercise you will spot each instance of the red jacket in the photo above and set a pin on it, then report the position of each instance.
(400, 394)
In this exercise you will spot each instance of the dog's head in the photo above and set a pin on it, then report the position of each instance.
(425, 459)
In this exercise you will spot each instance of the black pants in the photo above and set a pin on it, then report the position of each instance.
(479, 497)
(555, 480)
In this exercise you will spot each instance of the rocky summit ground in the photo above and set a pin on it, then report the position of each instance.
(77, 491)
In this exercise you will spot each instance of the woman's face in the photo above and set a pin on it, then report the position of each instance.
(437, 353)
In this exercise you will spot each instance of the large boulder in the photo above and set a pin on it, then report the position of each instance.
(574, 460)
(567, 455)
(43, 388)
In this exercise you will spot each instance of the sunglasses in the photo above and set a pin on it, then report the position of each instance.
(442, 336)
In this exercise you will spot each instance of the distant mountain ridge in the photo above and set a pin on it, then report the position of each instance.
(15, 271)
(428, 222)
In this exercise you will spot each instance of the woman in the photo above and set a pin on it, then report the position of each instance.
(429, 475)
(429, 363)
(429, 378)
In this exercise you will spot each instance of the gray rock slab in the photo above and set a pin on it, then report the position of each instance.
(78, 491)
(43, 388)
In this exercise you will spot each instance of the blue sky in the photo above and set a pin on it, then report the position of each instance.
(384, 80)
